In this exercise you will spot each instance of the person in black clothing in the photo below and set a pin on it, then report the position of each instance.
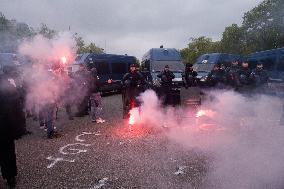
(83, 80)
(189, 76)
(133, 83)
(11, 126)
(95, 98)
(217, 77)
(232, 75)
(166, 77)
(244, 74)
(258, 75)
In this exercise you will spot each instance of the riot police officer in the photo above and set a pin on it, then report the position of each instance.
(189, 76)
(258, 75)
(166, 77)
(217, 77)
(244, 74)
(133, 83)
(232, 75)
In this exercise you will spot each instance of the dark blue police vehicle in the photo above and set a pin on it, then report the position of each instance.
(273, 62)
(154, 61)
(206, 62)
(110, 67)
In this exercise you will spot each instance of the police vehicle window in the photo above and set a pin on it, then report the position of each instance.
(147, 65)
(252, 63)
(143, 65)
(166, 54)
(199, 59)
(213, 58)
(224, 59)
(102, 67)
(118, 68)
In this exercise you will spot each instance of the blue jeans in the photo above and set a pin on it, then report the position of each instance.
(96, 105)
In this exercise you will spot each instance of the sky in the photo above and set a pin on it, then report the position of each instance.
(132, 26)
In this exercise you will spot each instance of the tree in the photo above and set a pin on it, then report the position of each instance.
(12, 33)
(197, 47)
(47, 32)
(4, 22)
(93, 48)
(264, 26)
(83, 48)
(232, 40)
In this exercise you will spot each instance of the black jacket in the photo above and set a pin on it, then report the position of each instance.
(166, 78)
(133, 80)
(12, 122)
(259, 76)
(244, 76)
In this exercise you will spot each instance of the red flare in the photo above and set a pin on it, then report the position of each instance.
(208, 113)
(200, 113)
(131, 120)
(63, 60)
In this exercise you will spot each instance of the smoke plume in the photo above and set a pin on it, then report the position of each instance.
(44, 82)
(241, 133)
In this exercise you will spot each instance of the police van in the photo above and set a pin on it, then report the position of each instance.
(12, 59)
(273, 62)
(110, 67)
(206, 62)
(154, 61)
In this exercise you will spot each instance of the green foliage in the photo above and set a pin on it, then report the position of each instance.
(262, 29)
(197, 47)
(47, 32)
(4, 23)
(13, 32)
(83, 48)
(263, 26)
(232, 40)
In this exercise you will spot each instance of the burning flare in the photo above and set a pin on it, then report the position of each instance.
(208, 113)
(63, 60)
(131, 120)
(200, 113)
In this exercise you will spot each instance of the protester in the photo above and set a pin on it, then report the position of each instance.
(95, 99)
(11, 125)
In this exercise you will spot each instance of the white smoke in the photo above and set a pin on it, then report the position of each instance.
(44, 50)
(42, 85)
(246, 142)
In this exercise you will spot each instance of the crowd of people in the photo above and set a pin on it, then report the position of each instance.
(19, 98)
(39, 93)
(237, 76)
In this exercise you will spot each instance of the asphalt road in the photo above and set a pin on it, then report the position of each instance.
(106, 155)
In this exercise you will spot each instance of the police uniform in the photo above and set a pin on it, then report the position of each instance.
(189, 76)
(166, 77)
(217, 77)
(133, 84)
(244, 76)
(232, 76)
(259, 76)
